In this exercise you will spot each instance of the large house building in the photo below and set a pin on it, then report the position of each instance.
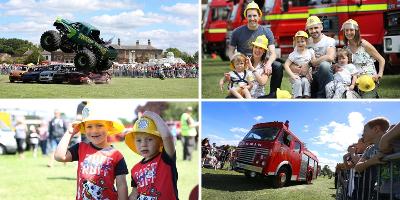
(126, 54)
(137, 53)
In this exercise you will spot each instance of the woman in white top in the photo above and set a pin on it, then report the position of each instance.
(256, 66)
(364, 54)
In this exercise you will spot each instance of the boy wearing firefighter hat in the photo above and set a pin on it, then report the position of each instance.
(243, 36)
(155, 176)
(100, 166)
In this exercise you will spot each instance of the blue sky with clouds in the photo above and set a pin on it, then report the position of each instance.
(327, 128)
(167, 23)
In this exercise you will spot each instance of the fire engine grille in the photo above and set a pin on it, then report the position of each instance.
(247, 154)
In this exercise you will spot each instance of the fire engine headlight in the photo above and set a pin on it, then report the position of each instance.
(256, 161)
(388, 44)
(263, 163)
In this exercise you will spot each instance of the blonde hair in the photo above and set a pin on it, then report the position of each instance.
(238, 57)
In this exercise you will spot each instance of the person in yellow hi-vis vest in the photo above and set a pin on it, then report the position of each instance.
(188, 131)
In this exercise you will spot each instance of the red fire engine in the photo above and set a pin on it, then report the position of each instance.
(214, 27)
(286, 17)
(271, 149)
(392, 38)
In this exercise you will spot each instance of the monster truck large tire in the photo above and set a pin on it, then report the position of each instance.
(50, 40)
(66, 45)
(85, 60)
(104, 65)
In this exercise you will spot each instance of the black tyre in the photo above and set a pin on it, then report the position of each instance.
(66, 46)
(249, 174)
(104, 65)
(282, 178)
(85, 60)
(50, 40)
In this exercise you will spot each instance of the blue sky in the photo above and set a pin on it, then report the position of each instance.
(167, 23)
(327, 128)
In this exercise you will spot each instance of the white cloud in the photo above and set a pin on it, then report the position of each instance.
(182, 9)
(236, 136)
(326, 161)
(70, 5)
(238, 130)
(222, 141)
(368, 109)
(306, 130)
(339, 136)
(127, 20)
(25, 27)
(315, 152)
(258, 118)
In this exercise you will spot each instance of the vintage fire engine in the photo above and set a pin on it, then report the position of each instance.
(214, 27)
(271, 149)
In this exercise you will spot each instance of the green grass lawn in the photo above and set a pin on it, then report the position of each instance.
(213, 71)
(30, 178)
(223, 184)
(119, 88)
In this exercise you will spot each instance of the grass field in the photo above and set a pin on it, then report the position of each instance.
(213, 71)
(31, 179)
(119, 88)
(223, 184)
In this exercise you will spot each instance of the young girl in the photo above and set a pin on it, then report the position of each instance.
(297, 66)
(33, 139)
(240, 80)
(344, 78)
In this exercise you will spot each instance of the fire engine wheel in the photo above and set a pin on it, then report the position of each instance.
(281, 178)
(249, 174)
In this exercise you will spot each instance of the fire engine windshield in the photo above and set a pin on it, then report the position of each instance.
(267, 133)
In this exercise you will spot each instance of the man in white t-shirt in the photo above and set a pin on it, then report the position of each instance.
(324, 48)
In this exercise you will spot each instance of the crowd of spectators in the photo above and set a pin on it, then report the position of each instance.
(216, 157)
(144, 71)
(5, 68)
(371, 167)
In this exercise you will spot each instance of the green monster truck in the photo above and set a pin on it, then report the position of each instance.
(92, 53)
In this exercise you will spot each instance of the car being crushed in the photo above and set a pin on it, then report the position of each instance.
(33, 74)
(62, 75)
(89, 78)
(92, 53)
(46, 76)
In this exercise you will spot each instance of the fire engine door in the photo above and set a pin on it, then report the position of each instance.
(303, 167)
(295, 158)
